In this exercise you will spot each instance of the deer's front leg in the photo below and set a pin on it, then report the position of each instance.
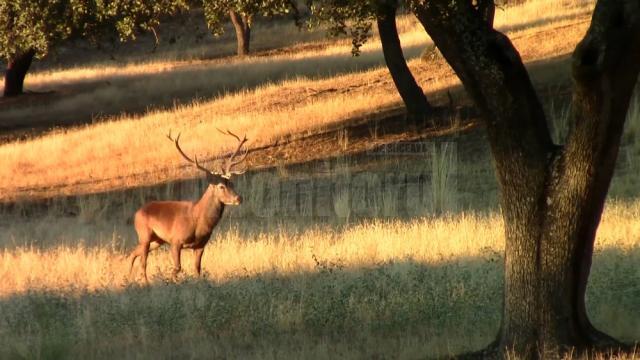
(198, 252)
(175, 254)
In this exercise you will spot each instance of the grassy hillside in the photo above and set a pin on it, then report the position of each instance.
(252, 96)
(294, 283)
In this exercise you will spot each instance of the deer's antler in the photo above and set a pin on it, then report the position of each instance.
(227, 168)
(195, 162)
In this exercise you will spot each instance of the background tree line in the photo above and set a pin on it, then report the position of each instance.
(29, 29)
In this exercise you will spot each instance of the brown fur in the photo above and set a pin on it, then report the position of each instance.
(182, 224)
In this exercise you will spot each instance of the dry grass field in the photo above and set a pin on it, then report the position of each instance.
(288, 287)
(292, 282)
(400, 289)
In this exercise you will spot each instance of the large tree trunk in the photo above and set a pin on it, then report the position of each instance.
(418, 108)
(552, 196)
(242, 25)
(17, 69)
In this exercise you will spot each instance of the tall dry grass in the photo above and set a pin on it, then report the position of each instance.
(87, 261)
(231, 255)
(366, 289)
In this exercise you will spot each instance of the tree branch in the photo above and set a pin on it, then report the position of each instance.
(605, 71)
(492, 72)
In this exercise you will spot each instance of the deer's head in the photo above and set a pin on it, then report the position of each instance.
(220, 181)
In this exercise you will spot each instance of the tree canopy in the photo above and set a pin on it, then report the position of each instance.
(356, 17)
(343, 17)
(217, 12)
(40, 24)
(30, 28)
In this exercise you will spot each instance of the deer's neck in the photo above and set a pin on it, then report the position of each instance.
(208, 210)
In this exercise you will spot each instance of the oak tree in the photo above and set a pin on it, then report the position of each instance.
(30, 28)
(552, 195)
(356, 19)
(242, 13)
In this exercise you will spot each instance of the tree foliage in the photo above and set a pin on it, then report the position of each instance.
(356, 17)
(217, 12)
(40, 24)
(347, 17)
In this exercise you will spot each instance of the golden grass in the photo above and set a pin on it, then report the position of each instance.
(230, 255)
(118, 151)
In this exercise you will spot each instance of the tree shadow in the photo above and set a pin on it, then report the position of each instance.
(404, 308)
(334, 193)
(82, 101)
(331, 193)
(86, 100)
(377, 310)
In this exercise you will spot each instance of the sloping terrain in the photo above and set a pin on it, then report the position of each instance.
(136, 153)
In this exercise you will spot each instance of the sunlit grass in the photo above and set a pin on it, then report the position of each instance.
(428, 241)
(532, 14)
(91, 266)
(367, 289)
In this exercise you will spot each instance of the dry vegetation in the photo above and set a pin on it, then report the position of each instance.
(136, 152)
(428, 286)
(290, 287)
(399, 288)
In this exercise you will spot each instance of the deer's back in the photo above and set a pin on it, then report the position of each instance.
(169, 220)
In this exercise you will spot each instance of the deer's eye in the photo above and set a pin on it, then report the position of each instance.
(221, 186)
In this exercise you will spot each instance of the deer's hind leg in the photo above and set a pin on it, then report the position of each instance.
(145, 236)
(155, 242)
(143, 258)
(133, 256)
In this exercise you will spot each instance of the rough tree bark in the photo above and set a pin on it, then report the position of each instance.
(552, 196)
(242, 25)
(17, 69)
(418, 108)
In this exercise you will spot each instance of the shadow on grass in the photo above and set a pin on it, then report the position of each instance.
(84, 101)
(292, 199)
(397, 308)
(402, 309)
(135, 94)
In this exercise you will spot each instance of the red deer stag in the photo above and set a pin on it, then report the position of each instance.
(186, 224)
